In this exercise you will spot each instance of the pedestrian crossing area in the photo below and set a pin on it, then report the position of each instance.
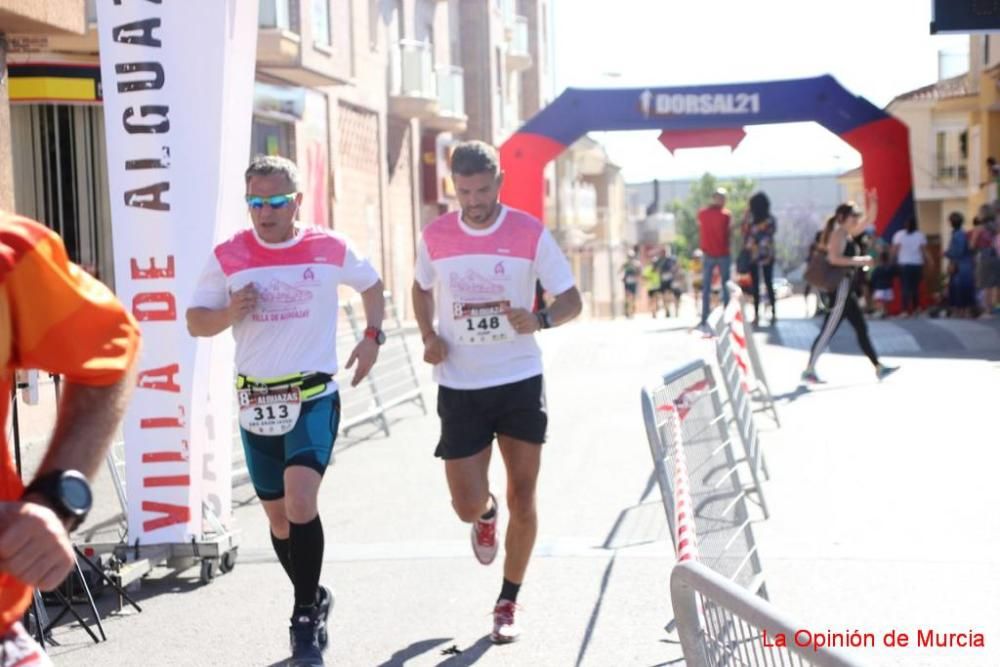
(899, 337)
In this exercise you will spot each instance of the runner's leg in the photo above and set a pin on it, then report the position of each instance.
(469, 485)
(522, 460)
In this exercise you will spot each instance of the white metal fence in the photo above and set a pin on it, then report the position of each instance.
(721, 624)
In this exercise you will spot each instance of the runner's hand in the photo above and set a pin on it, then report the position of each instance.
(34, 546)
(242, 302)
(365, 353)
(524, 321)
(434, 349)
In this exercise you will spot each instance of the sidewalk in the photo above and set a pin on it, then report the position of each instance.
(876, 491)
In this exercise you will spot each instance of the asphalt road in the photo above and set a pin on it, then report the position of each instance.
(882, 495)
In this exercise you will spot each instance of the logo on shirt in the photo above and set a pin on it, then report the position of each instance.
(472, 285)
(499, 270)
(308, 275)
(279, 295)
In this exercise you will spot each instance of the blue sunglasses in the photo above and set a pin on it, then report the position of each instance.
(277, 201)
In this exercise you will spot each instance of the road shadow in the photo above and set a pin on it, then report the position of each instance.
(399, 658)
(626, 522)
(110, 609)
(468, 656)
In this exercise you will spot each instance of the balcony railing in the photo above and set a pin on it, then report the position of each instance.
(451, 91)
(411, 70)
(277, 14)
(950, 170)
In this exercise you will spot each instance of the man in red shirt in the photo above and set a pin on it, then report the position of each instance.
(713, 225)
(53, 317)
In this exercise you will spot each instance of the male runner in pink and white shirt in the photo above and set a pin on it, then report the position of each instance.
(276, 286)
(478, 270)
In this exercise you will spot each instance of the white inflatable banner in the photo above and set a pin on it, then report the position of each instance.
(177, 82)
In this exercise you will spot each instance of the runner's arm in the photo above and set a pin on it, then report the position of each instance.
(202, 321)
(423, 310)
(565, 306)
(373, 301)
(208, 321)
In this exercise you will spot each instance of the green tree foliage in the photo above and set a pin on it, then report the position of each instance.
(686, 211)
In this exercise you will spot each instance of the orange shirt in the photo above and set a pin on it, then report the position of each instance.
(57, 318)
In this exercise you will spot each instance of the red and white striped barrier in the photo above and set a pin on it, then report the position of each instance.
(732, 317)
(687, 538)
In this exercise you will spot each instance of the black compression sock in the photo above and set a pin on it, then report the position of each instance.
(284, 557)
(306, 560)
(509, 591)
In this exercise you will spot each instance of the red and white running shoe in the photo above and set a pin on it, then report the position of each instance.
(484, 536)
(505, 629)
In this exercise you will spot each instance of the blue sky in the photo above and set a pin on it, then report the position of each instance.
(875, 48)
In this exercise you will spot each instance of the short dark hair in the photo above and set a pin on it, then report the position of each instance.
(270, 165)
(956, 219)
(474, 157)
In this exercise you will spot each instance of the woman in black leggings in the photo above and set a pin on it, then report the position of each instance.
(841, 250)
(758, 237)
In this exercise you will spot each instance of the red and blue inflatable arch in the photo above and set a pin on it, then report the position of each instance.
(881, 139)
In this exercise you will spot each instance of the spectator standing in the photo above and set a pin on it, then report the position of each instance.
(713, 225)
(961, 282)
(909, 252)
(983, 240)
(758, 237)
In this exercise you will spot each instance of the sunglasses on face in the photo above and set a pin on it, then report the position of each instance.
(257, 202)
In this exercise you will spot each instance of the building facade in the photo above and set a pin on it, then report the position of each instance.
(367, 96)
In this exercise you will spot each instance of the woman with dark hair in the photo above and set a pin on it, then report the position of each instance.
(758, 240)
(842, 251)
(961, 277)
(909, 252)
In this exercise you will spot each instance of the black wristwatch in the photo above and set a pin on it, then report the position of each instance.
(67, 493)
(544, 320)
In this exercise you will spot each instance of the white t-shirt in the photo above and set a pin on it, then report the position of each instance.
(294, 327)
(910, 246)
(475, 274)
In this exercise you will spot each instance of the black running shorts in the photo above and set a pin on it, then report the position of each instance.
(471, 418)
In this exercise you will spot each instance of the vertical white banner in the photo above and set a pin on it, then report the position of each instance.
(176, 122)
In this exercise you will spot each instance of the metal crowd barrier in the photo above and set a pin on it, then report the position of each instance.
(760, 390)
(393, 380)
(720, 623)
(718, 497)
(734, 368)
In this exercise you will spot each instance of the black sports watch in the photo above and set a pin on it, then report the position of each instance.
(67, 492)
(544, 320)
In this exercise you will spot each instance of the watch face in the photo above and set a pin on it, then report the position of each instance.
(75, 493)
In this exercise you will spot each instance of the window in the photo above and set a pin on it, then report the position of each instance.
(941, 146)
(321, 22)
(373, 21)
(272, 137)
